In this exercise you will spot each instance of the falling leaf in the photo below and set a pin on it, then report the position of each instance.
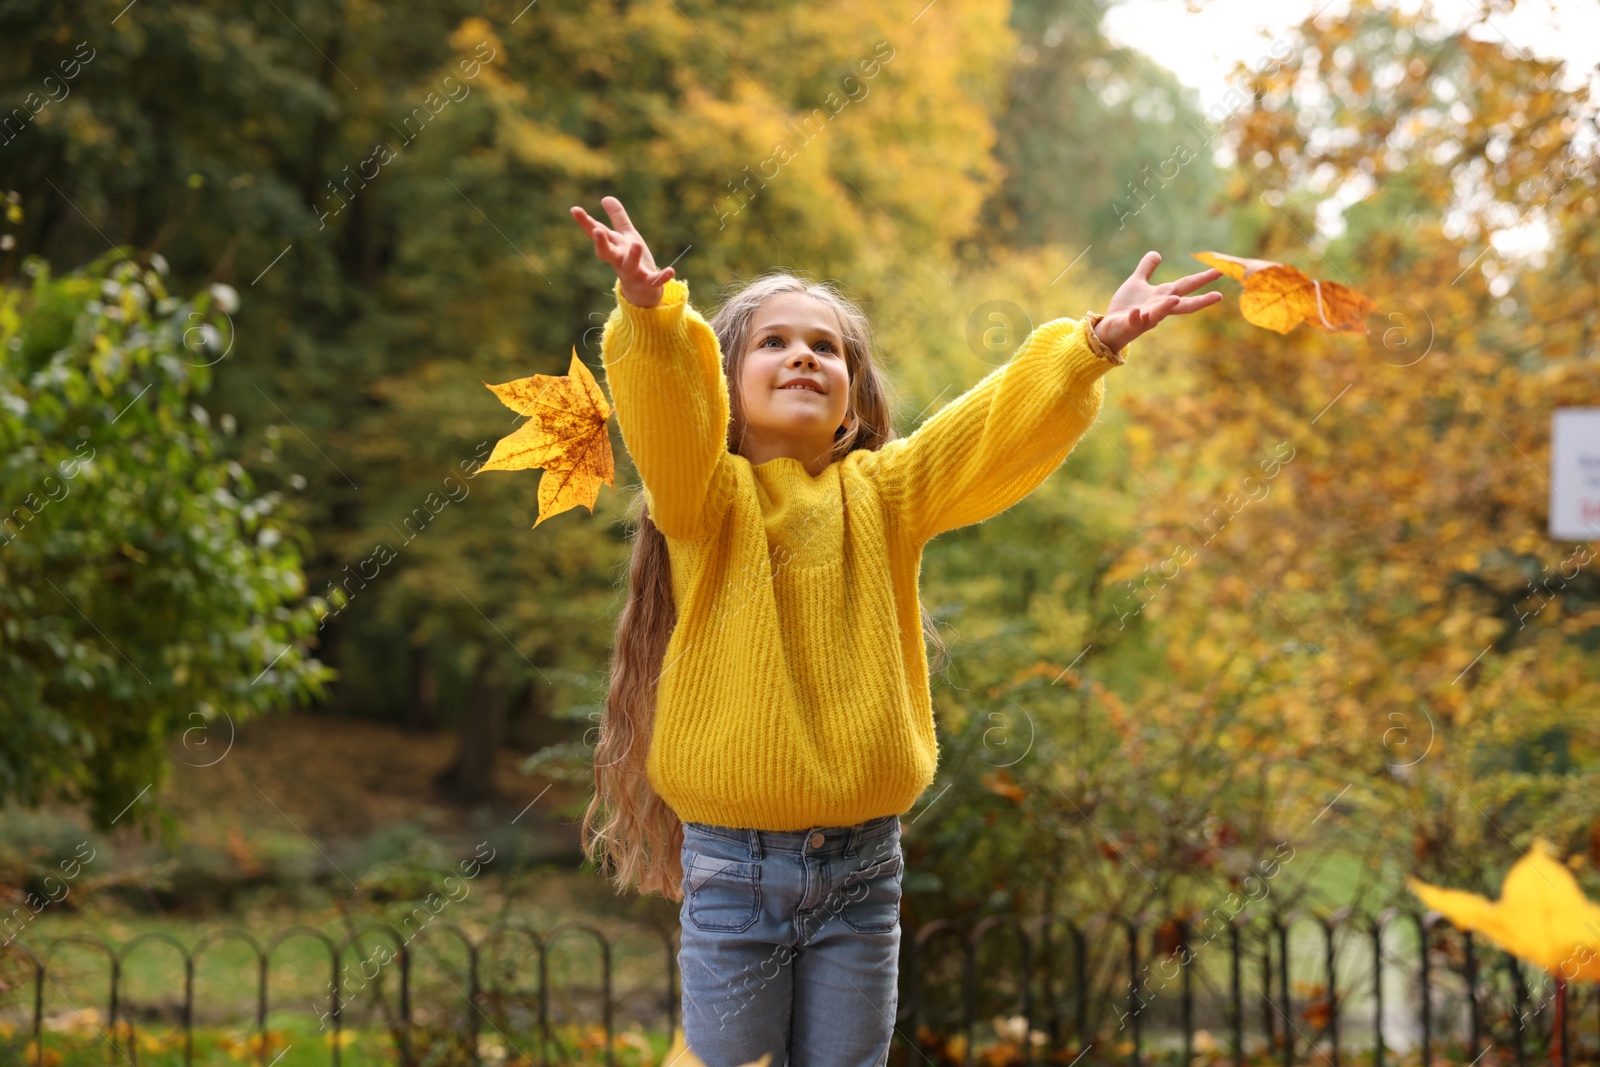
(1280, 297)
(1001, 784)
(565, 434)
(1542, 916)
(679, 1055)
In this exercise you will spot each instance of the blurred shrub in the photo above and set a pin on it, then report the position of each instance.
(146, 589)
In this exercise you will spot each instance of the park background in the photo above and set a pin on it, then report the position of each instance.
(272, 654)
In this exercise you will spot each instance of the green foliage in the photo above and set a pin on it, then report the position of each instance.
(1102, 147)
(995, 147)
(147, 590)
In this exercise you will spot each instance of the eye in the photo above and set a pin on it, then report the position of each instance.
(828, 345)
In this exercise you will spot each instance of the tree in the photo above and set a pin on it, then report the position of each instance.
(1103, 149)
(147, 590)
(1445, 670)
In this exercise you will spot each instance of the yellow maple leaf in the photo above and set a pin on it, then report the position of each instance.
(1542, 916)
(680, 1056)
(565, 434)
(1280, 297)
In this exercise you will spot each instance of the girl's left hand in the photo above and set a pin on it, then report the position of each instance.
(1137, 305)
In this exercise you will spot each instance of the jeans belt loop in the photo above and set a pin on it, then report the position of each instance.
(755, 843)
(853, 841)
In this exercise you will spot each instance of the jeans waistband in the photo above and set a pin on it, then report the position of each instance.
(842, 839)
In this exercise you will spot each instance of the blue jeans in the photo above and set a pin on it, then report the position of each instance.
(791, 943)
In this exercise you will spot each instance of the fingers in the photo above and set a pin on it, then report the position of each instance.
(1147, 265)
(608, 248)
(589, 223)
(1146, 316)
(1189, 304)
(623, 248)
(1195, 303)
(594, 228)
(630, 261)
(1192, 282)
(608, 244)
(618, 213)
(1157, 310)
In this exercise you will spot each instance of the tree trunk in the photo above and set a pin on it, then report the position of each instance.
(532, 727)
(482, 727)
(422, 710)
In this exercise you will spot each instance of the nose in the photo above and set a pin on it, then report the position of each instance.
(806, 358)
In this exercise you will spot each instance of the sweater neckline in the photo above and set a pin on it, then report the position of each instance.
(790, 459)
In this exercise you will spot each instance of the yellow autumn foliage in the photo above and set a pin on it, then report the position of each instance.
(1541, 915)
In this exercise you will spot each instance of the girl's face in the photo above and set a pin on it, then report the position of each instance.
(795, 384)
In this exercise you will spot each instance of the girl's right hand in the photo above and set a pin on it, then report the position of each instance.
(625, 250)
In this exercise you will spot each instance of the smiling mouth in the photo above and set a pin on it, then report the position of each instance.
(799, 388)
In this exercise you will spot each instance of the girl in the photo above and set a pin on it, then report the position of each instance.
(769, 717)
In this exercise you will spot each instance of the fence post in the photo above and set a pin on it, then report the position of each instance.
(1047, 961)
(1135, 1004)
(261, 998)
(1238, 994)
(188, 1010)
(544, 1003)
(969, 997)
(1282, 928)
(1377, 992)
(1080, 950)
(1332, 992)
(1268, 1023)
(1187, 1006)
(1427, 990)
(606, 998)
(407, 1053)
(1519, 992)
(1470, 961)
(472, 1002)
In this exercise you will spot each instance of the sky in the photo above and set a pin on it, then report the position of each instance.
(1202, 47)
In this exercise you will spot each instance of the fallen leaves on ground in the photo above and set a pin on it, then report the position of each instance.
(679, 1054)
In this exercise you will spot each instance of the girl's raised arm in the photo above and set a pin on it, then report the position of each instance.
(664, 368)
(996, 443)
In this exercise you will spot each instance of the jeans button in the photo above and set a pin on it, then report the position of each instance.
(817, 839)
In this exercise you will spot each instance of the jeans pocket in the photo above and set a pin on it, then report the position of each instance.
(721, 895)
(871, 895)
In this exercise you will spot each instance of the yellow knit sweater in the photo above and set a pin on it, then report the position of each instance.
(794, 692)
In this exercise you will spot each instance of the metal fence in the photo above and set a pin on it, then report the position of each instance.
(1108, 990)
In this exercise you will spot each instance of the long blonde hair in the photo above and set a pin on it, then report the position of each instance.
(628, 828)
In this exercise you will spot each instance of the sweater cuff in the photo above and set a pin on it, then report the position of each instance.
(1099, 347)
(674, 297)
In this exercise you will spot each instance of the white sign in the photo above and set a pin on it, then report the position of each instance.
(1575, 474)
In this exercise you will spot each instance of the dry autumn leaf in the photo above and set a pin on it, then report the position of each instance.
(679, 1054)
(565, 434)
(1000, 783)
(1542, 916)
(1280, 297)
